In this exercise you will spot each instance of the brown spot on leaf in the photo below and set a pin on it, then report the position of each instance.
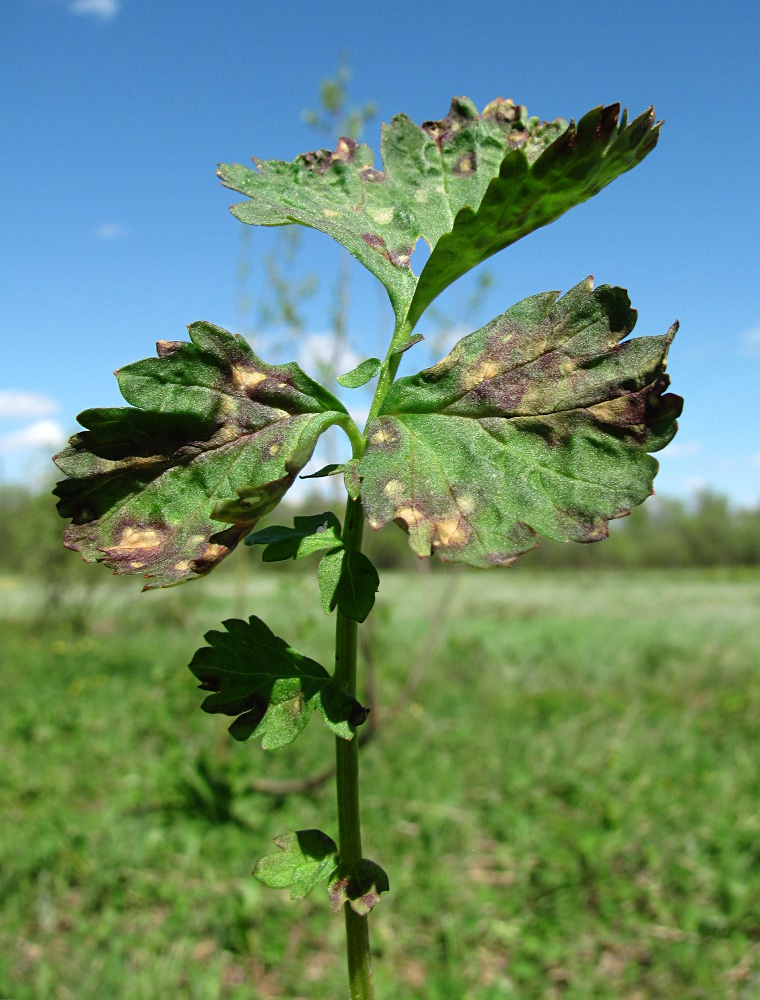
(344, 151)
(501, 110)
(372, 175)
(137, 538)
(466, 165)
(247, 379)
(164, 348)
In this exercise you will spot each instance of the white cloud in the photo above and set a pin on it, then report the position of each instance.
(750, 343)
(104, 9)
(683, 449)
(319, 349)
(110, 231)
(20, 405)
(40, 434)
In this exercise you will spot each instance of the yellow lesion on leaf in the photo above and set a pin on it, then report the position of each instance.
(394, 489)
(483, 372)
(246, 378)
(450, 532)
(382, 216)
(138, 538)
(182, 566)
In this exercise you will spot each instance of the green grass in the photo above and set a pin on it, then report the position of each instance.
(567, 805)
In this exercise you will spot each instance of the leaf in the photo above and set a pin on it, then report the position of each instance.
(348, 581)
(359, 884)
(360, 375)
(402, 348)
(216, 437)
(539, 423)
(469, 185)
(533, 187)
(333, 469)
(308, 535)
(268, 685)
(305, 858)
(351, 479)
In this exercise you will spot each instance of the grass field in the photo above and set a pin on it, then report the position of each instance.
(568, 803)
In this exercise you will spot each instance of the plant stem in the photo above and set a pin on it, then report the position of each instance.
(347, 779)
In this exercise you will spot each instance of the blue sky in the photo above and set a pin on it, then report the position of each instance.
(117, 232)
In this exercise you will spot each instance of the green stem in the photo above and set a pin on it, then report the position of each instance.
(347, 779)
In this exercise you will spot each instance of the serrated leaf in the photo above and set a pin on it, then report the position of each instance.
(305, 859)
(268, 685)
(469, 185)
(540, 423)
(309, 534)
(348, 581)
(216, 437)
(359, 884)
(360, 375)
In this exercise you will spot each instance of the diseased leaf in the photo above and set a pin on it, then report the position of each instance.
(469, 185)
(351, 479)
(540, 423)
(358, 884)
(348, 581)
(310, 534)
(268, 685)
(360, 375)
(305, 859)
(216, 437)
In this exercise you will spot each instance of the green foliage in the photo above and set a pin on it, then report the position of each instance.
(539, 423)
(214, 435)
(579, 819)
(469, 185)
(271, 688)
(305, 859)
(308, 535)
(348, 581)
(362, 374)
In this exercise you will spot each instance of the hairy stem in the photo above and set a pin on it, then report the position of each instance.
(347, 779)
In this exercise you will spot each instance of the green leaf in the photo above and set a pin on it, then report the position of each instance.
(351, 479)
(268, 685)
(359, 884)
(305, 859)
(360, 375)
(308, 535)
(348, 581)
(540, 423)
(548, 173)
(469, 185)
(216, 437)
(333, 469)
(402, 348)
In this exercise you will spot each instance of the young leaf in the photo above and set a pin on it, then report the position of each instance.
(308, 535)
(539, 423)
(216, 438)
(361, 374)
(358, 884)
(268, 685)
(348, 581)
(402, 348)
(305, 858)
(469, 185)
(333, 469)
